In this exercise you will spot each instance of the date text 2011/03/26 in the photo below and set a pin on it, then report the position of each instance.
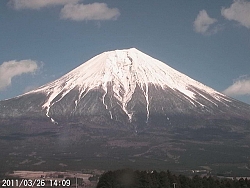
(35, 183)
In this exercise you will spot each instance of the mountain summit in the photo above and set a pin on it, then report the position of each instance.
(124, 85)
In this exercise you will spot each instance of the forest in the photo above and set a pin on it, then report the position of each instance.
(128, 178)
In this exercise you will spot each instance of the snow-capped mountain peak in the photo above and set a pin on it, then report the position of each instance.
(124, 70)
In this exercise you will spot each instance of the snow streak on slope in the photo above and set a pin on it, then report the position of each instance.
(123, 70)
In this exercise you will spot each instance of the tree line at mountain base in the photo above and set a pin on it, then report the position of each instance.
(127, 178)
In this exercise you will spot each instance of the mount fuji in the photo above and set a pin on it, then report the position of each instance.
(124, 108)
(127, 86)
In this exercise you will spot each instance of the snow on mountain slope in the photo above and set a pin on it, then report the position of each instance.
(125, 70)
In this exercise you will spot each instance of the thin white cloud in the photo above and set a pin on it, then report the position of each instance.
(29, 88)
(94, 11)
(13, 68)
(239, 11)
(37, 4)
(203, 22)
(240, 87)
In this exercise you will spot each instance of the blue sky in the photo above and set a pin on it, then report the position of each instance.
(208, 40)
